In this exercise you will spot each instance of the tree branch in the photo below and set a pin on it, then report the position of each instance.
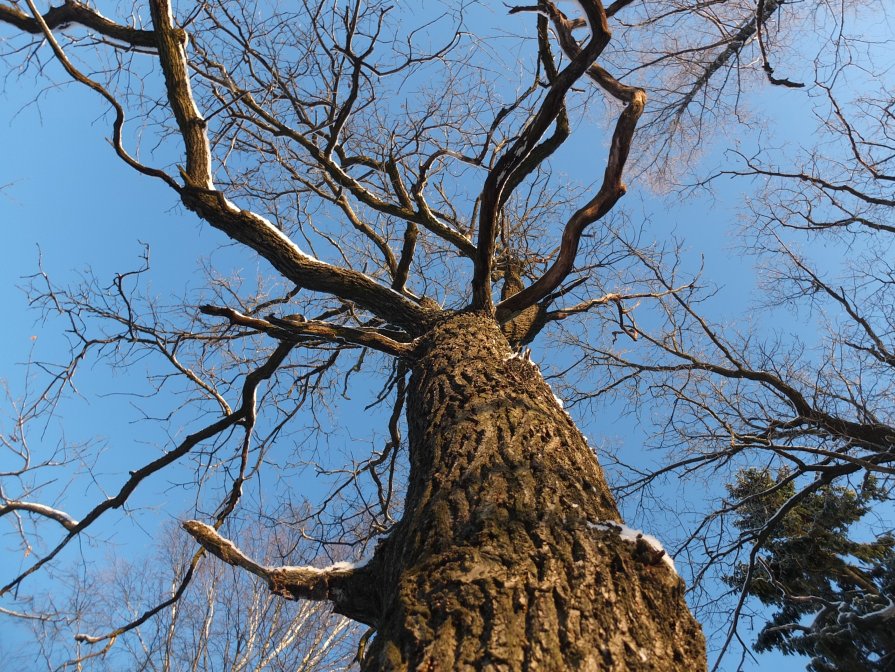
(81, 78)
(290, 329)
(60, 517)
(493, 191)
(735, 44)
(136, 476)
(247, 227)
(71, 12)
(612, 188)
(348, 587)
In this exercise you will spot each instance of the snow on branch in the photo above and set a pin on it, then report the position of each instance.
(223, 548)
(884, 613)
(347, 585)
(60, 517)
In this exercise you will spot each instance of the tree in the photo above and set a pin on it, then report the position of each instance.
(418, 233)
(226, 621)
(833, 594)
(799, 421)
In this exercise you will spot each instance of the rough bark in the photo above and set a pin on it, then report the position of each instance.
(525, 325)
(500, 562)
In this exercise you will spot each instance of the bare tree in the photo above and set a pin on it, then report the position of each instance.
(395, 172)
(805, 414)
(225, 620)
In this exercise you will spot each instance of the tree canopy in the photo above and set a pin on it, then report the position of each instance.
(387, 169)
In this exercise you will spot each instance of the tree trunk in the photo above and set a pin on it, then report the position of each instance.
(501, 561)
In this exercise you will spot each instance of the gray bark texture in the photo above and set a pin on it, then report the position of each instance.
(496, 564)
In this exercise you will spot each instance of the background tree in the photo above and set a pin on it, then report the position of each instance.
(405, 196)
(226, 620)
(832, 594)
(808, 404)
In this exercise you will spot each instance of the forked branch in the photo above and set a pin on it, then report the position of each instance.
(245, 226)
(612, 188)
(494, 191)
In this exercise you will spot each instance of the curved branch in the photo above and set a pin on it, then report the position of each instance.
(611, 190)
(493, 191)
(250, 386)
(761, 15)
(78, 13)
(78, 76)
(60, 517)
(348, 587)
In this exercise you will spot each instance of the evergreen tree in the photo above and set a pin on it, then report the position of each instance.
(833, 595)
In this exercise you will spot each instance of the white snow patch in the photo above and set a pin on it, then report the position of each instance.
(282, 236)
(884, 613)
(631, 535)
(43, 510)
(266, 223)
(525, 356)
(557, 399)
(345, 566)
(546, 15)
(335, 567)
